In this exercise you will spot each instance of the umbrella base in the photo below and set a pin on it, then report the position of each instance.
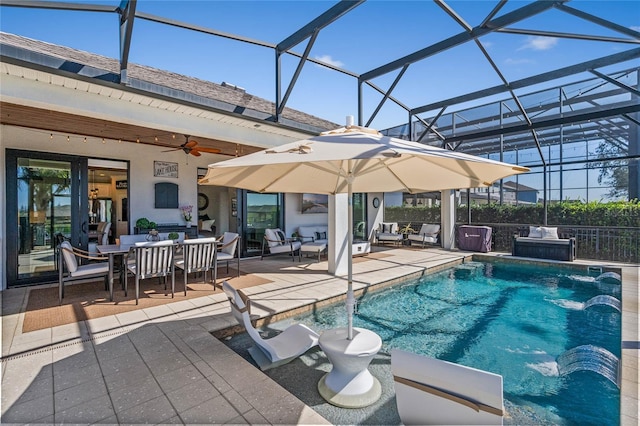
(350, 384)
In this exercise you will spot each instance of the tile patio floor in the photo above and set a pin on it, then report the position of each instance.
(162, 365)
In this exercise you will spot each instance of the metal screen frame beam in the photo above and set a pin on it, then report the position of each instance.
(127, 11)
(507, 19)
(530, 81)
(553, 122)
(59, 6)
(318, 23)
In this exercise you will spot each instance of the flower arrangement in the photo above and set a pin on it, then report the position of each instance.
(186, 212)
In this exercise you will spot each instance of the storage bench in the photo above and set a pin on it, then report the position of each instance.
(544, 248)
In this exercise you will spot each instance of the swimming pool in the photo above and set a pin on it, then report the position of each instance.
(531, 325)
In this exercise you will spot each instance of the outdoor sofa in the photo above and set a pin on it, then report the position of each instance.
(388, 233)
(543, 243)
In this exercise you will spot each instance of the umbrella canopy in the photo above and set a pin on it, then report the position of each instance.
(356, 159)
(375, 163)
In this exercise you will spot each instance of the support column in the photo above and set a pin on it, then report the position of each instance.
(634, 149)
(338, 229)
(448, 221)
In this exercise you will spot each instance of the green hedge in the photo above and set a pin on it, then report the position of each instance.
(618, 213)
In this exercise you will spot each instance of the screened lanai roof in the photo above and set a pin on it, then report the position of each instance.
(387, 63)
(595, 109)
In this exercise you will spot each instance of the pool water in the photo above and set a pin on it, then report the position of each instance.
(513, 320)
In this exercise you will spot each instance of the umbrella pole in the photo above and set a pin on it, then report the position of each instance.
(351, 300)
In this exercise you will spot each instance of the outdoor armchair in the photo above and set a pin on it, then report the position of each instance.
(428, 234)
(68, 257)
(275, 242)
(388, 233)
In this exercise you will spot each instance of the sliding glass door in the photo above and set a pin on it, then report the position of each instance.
(260, 211)
(45, 200)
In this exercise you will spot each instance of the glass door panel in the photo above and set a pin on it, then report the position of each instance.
(359, 216)
(262, 211)
(44, 209)
(41, 189)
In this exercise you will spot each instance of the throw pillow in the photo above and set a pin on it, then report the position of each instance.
(535, 232)
(272, 237)
(387, 227)
(280, 235)
(321, 235)
(207, 224)
(549, 233)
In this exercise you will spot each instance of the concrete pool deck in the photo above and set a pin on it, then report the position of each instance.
(163, 365)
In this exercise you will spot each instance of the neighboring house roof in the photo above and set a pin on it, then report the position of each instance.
(518, 186)
(155, 81)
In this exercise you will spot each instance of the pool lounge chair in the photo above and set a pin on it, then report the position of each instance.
(278, 350)
(431, 391)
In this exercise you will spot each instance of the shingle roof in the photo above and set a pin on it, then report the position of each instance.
(236, 100)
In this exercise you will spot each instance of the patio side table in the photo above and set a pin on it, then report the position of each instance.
(349, 384)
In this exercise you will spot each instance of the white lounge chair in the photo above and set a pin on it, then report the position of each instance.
(388, 233)
(275, 242)
(431, 391)
(428, 234)
(278, 350)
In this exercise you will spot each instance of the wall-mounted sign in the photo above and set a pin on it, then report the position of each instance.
(165, 169)
(121, 184)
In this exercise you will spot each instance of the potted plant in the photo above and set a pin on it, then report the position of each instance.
(173, 236)
(144, 223)
(407, 229)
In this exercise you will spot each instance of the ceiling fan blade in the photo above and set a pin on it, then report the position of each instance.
(195, 152)
(209, 150)
(174, 149)
(190, 144)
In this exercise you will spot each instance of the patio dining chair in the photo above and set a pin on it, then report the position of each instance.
(152, 259)
(103, 237)
(198, 255)
(227, 250)
(68, 257)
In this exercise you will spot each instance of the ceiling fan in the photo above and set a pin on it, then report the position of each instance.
(191, 147)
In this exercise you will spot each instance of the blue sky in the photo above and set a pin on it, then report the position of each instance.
(371, 35)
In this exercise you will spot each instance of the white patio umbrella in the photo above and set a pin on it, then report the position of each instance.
(356, 159)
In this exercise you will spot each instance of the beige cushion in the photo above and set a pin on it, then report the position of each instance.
(272, 236)
(229, 249)
(389, 227)
(549, 233)
(429, 229)
(535, 232)
(69, 256)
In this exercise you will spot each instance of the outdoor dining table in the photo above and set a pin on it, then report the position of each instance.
(112, 250)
